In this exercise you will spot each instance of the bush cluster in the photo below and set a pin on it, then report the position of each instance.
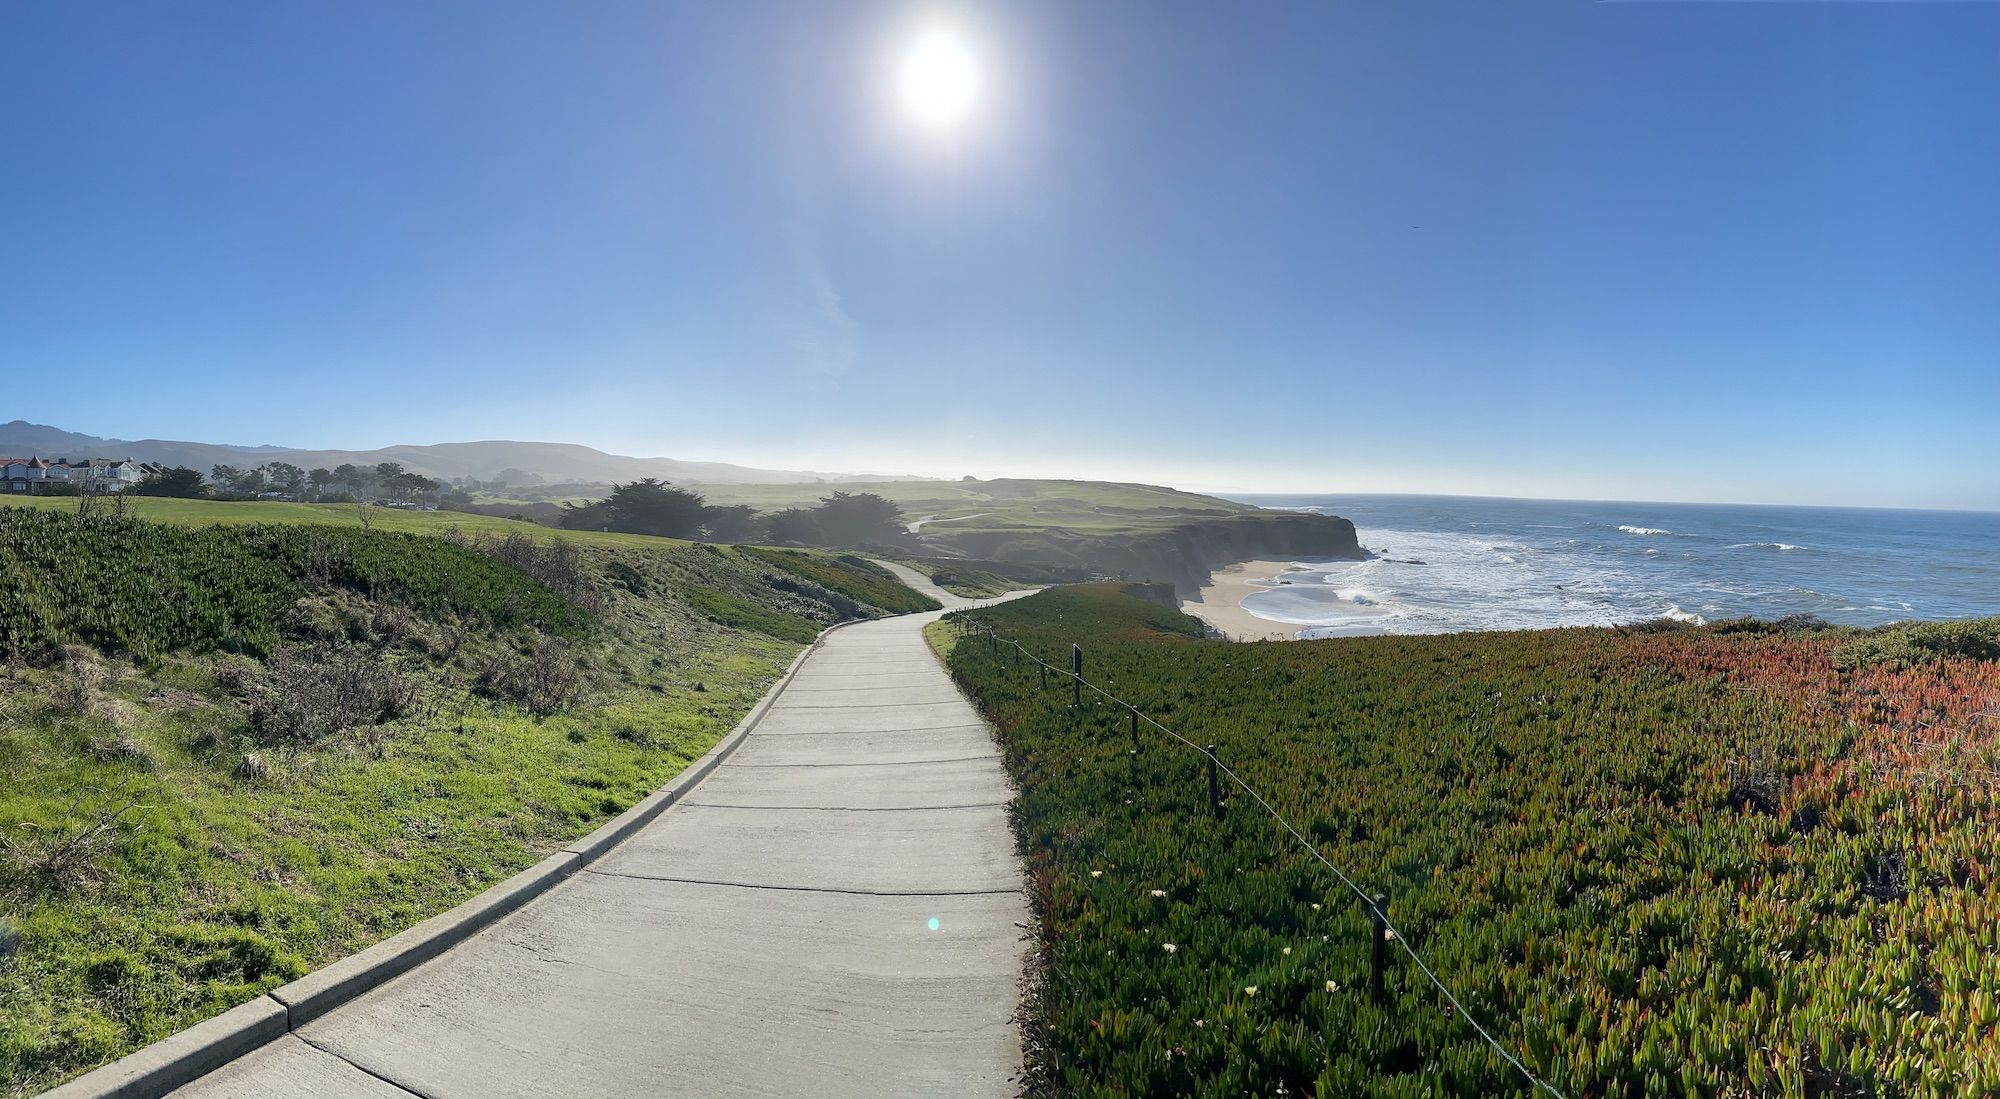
(149, 588)
(857, 578)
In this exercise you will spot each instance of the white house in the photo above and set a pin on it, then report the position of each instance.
(37, 474)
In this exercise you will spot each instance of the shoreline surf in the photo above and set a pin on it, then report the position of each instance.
(1444, 566)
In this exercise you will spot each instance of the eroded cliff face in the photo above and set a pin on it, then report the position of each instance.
(1182, 555)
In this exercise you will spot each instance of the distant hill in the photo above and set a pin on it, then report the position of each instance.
(553, 463)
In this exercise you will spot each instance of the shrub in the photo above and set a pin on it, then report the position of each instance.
(743, 614)
(545, 680)
(68, 856)
(153, 588)
(307, 694)
(857, 578)
(1916, 644)
(627, 577)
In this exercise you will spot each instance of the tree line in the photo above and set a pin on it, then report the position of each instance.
(649, 506)
(387, 481)
(652, 506)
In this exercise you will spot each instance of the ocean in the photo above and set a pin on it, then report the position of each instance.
(1447, 563)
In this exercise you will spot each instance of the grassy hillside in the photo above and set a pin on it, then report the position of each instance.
(1744, 860)
(1075, 529)
(231, 754)
(1006, 504)
(228, 512)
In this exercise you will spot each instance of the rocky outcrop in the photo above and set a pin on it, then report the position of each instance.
(1181, 555)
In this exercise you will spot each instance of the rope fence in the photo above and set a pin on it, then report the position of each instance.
(1372, 904)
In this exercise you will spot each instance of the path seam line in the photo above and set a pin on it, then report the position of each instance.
(363, 1069)
(882, 763)
(846, 808)
(867, 732)
(810, 888)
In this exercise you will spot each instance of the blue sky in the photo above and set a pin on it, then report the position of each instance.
(1698, 251)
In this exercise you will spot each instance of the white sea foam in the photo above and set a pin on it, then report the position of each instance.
(1524, 564)
(1677, 614)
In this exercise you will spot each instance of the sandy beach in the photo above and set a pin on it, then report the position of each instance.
(1220, 603)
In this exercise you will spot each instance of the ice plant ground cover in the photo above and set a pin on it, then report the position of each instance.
(1742, 859)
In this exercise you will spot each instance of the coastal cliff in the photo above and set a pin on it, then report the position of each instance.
(1182, 555)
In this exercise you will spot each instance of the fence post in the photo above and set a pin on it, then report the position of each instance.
(1214, 787)
(1076, 670)
(1135, 730)
(1378, 949)
(1017, 657)
(1045, 673)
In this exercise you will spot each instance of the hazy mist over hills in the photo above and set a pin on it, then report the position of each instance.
(485, 459)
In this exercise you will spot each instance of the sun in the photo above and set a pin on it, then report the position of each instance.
(938, 79)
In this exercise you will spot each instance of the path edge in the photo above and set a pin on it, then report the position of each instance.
(188, 1055)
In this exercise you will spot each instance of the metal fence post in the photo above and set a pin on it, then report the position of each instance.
(1045, 673)
(1076, 670)
(1378, 949)
(1135, 730)
(1214, 786)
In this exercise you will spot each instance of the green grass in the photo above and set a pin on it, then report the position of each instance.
(853, 577)
(1735, 860)
(962, 579)
(149, 588)
(241, 859)
(1009, 504)
(211, 512)
(221, 887)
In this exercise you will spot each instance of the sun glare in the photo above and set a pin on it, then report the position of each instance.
(938, 79)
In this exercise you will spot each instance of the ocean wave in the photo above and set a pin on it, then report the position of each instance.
(1675, 612)
(1642, 530)
(1360, 596)
(1782, 547)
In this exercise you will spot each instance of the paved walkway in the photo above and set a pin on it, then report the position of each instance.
(836, 911)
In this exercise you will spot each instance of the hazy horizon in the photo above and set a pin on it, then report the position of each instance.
(1693, 252)
(1192, 483)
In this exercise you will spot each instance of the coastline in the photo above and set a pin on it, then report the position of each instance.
(1219, 603)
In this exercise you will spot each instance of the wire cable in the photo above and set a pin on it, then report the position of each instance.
(1367, 900)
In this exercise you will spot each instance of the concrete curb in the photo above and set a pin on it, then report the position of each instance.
(185, 1057)
(322, 990)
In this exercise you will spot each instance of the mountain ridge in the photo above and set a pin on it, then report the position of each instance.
(484, 459)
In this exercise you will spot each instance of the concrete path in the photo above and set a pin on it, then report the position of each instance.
(918, 582)
(836, 911)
